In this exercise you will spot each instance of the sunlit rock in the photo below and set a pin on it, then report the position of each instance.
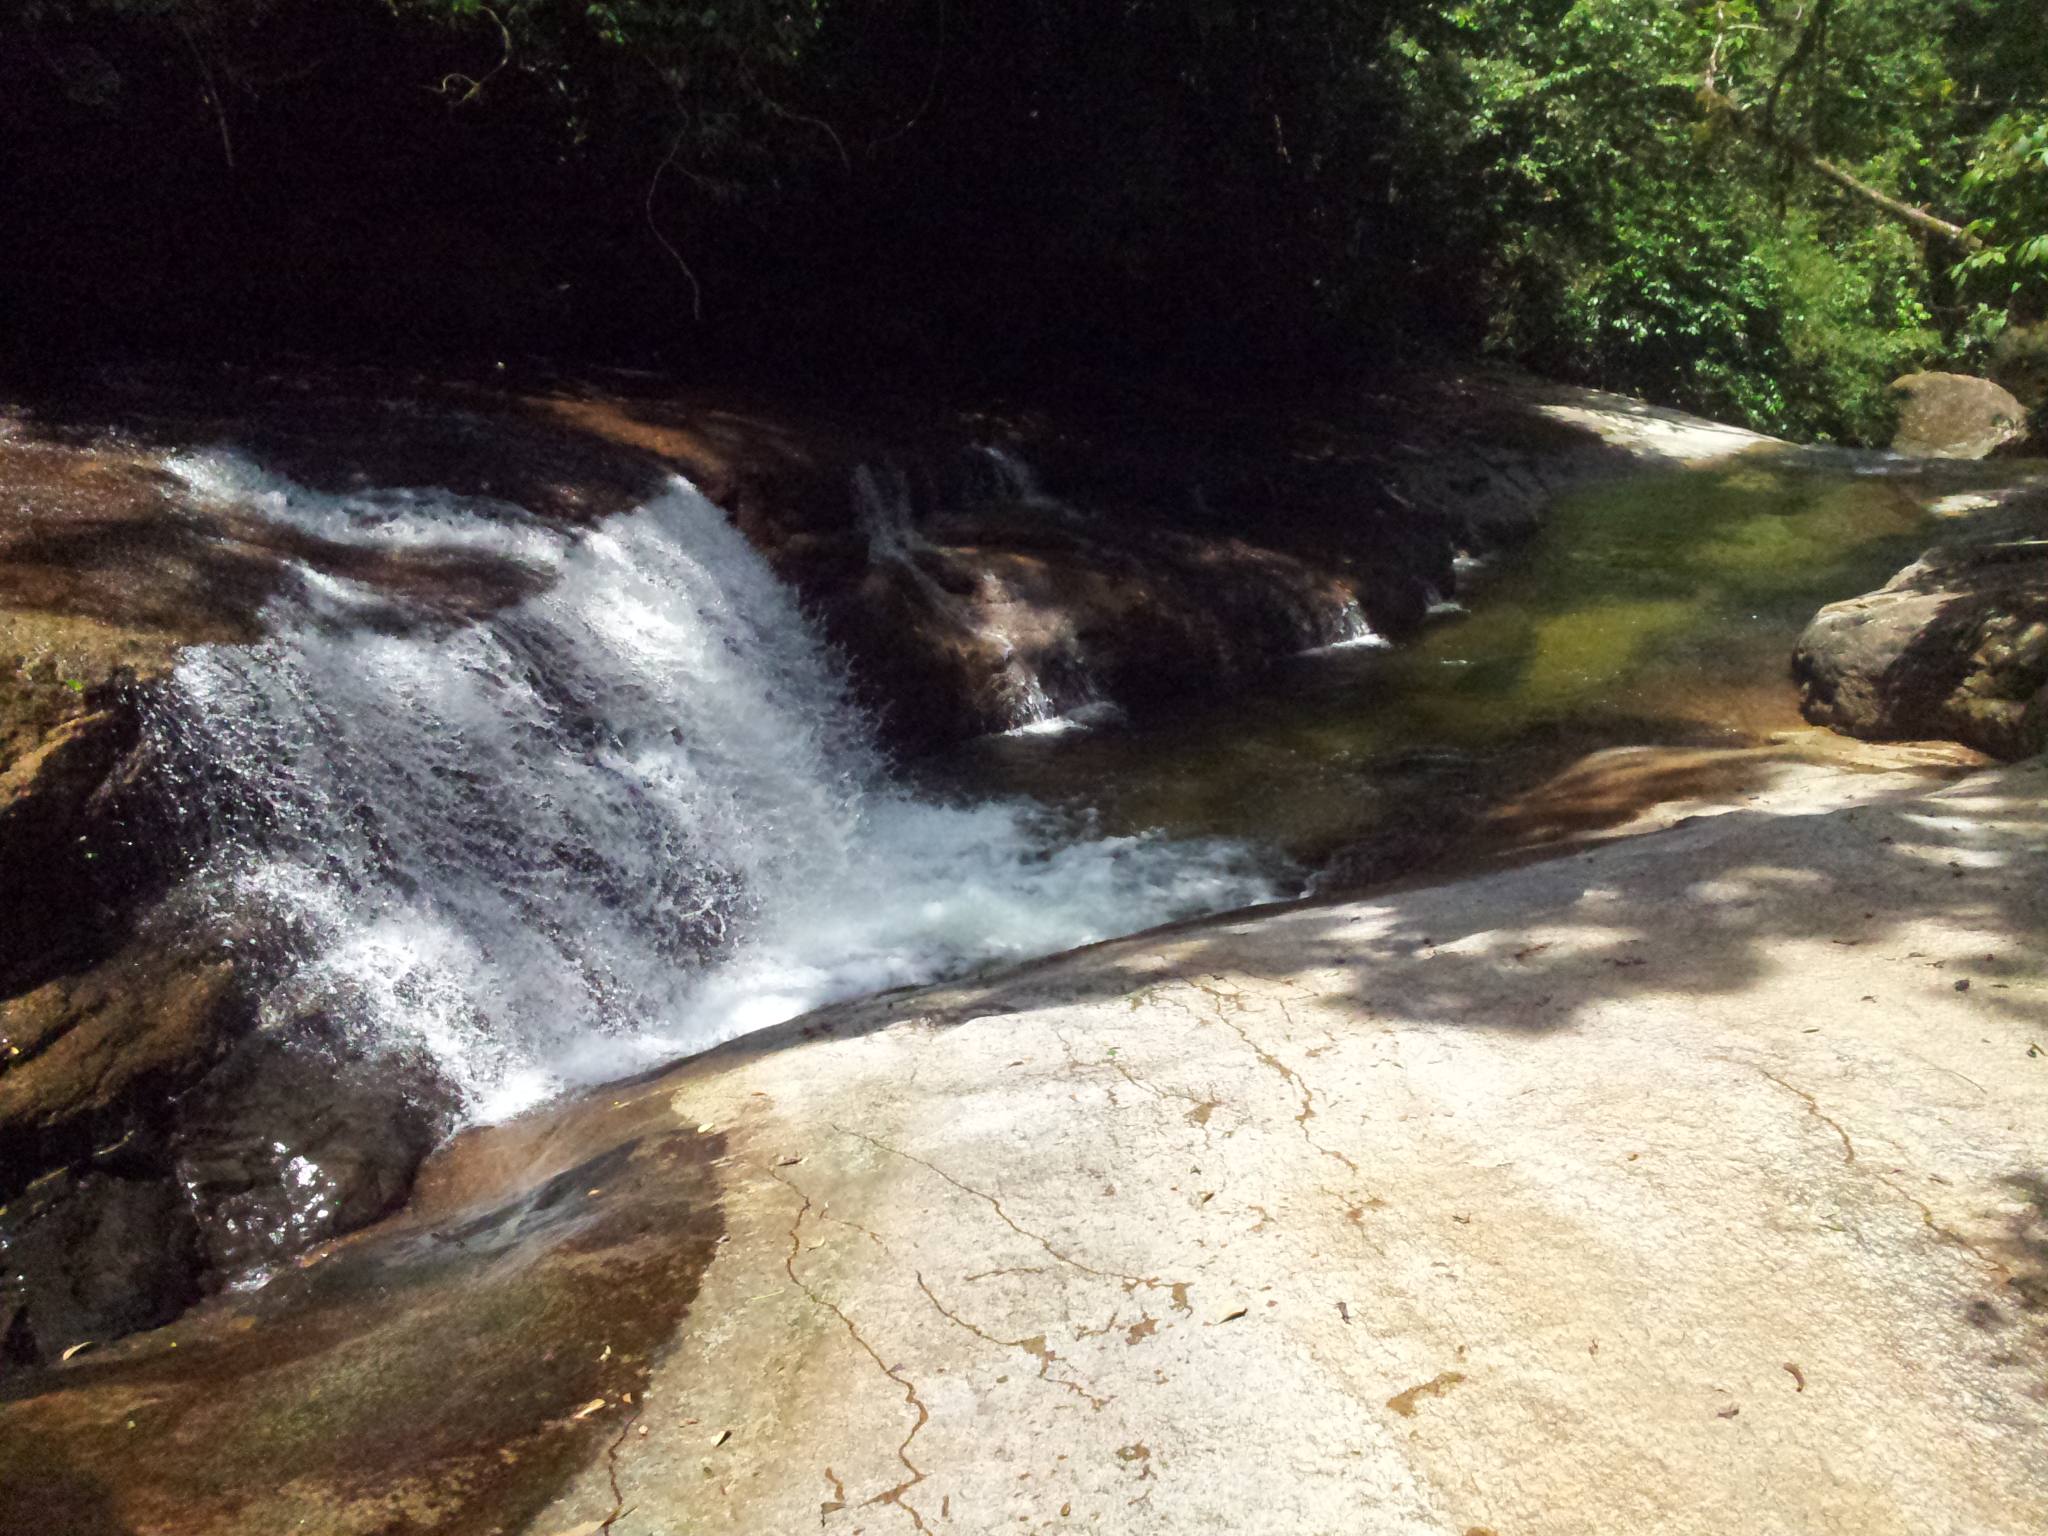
(1954, 646)
(1955, 416)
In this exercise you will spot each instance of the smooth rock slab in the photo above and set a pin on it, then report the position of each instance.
(1693, 1184)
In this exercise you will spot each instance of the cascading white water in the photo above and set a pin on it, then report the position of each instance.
(1329, 619)
(1350, 628)
(622, 819)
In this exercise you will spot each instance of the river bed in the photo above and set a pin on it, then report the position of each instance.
(1660, 610)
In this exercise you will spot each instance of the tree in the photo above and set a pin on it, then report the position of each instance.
(1755, 208)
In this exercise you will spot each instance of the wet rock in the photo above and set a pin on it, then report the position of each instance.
(287, 1144)
(89, 1255)
(104, 562)
(101, 582)
(1953, 647)
(1163, 546)
(83, 1056)
(1389, 855)
(1123, 1221)
(152, 1147)
(97, 1238)
(980, 572)
(447, 1373)
(1017, 624)
(78, 848)
(1955, 416)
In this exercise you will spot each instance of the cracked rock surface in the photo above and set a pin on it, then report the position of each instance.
(1692, 1184)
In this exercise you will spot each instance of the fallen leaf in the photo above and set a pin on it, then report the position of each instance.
(1728, 1413)
(723, 1436)
(1797, 1375)
(588, 1408)
(76, 1349)
(1403, 1403)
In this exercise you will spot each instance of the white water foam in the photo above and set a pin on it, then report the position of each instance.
(623, 819)
(1354, 632)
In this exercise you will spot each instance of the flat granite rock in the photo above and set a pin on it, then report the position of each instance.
(1690, 1183)
(1694, 1184)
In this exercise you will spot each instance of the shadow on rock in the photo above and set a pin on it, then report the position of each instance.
(1699, 908)
(1955, 645)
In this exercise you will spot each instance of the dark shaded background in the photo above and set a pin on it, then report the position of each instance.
(965, 191)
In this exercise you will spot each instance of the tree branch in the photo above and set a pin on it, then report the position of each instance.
(1906, 213)
(220, 114)
(654, 227)
(1798, 151)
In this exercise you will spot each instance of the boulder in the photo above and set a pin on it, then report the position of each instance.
(289, 1143)
(153, 1147)
(77, 1054)
(96, 1234)
(1953, 647)
(1955, 416)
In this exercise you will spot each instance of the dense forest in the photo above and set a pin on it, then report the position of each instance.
(1761, 209)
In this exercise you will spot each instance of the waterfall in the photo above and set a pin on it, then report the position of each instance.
(625, 816)
(882, 503)
(1010, 479)
(1345, 623)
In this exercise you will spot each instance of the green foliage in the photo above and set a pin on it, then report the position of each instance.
(1656, 222)
(2008, 179)
(696, 65)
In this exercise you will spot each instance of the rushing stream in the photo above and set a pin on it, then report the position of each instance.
(623, 819)
(634, 813)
